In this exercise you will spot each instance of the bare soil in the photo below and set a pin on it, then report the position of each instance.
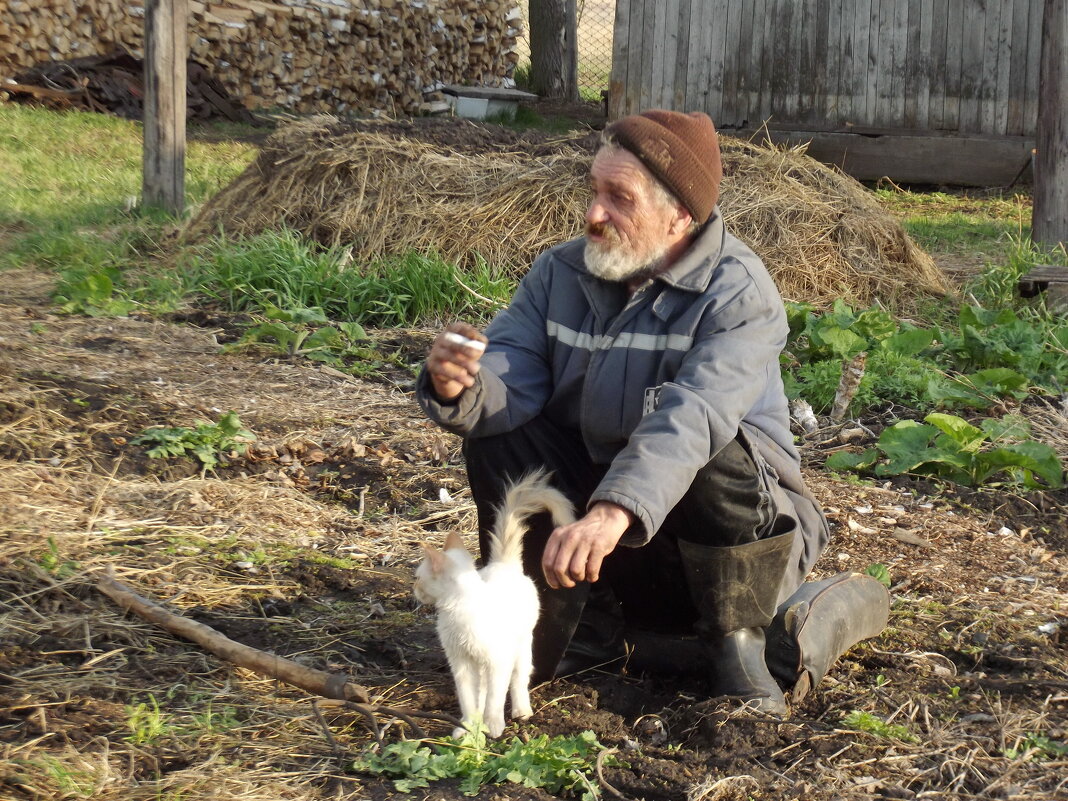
(305, 545)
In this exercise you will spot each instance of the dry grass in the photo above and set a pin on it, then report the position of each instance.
(822, 235)
(272, 560)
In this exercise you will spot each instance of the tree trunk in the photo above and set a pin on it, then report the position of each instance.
(554, 49)
(1049, 221)
(163, 184)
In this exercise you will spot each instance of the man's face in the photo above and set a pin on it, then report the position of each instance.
(629, 219)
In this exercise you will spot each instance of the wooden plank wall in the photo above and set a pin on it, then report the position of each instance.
(960, 66)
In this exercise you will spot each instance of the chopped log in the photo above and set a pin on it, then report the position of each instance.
(114, 84)
(300, 54)
(64, 96)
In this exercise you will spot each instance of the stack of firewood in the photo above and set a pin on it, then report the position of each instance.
(303, 55)
(115, 85)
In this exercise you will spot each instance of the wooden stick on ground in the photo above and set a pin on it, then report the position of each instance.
(319, 682)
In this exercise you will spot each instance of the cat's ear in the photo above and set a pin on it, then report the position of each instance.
(452, 540)
(435, 557)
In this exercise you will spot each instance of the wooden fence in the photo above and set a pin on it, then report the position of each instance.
(947, 66)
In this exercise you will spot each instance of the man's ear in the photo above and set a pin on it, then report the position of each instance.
(681, 222)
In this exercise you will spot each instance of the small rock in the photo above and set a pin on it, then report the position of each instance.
(847, 435)
(978, 717)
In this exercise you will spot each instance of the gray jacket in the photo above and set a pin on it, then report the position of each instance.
(657, 383)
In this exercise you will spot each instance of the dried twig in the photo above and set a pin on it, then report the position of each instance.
(601, 757)
(852, 373)
(319, 682)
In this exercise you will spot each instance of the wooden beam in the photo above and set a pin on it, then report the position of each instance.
(1049, 220)
(910, 159)
(163, 184)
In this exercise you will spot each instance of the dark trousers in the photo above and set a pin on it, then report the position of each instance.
(727, 504)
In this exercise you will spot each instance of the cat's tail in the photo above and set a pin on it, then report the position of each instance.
(527, 496)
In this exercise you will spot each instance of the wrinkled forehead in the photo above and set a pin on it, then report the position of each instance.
(618, 166)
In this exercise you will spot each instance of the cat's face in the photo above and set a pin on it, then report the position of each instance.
(438, 568)
(426, 587)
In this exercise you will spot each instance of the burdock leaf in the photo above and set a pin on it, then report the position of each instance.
(906, 446)
(963, 433)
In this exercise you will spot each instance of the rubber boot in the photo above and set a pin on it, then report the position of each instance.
(597, 643)
(561, 610)
(735, 590)
(820, 622)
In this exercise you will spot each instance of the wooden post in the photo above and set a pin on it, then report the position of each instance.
(163, 185)
(1049, 217)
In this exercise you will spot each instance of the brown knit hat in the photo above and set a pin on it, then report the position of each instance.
(681, 150)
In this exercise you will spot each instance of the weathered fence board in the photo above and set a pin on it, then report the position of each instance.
(945, 66)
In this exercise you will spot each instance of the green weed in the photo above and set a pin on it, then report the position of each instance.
(560, 765)
(214, 721)
(92, 295)
(879, 572)
(819, 343)
(282, 270)
(996, 286)
(147, 723)
(949, 447)
(207, 441)
(69, 781)
(53, 562)
(867, 722)
(307, 333)
(1037, 747)
(1032, 345)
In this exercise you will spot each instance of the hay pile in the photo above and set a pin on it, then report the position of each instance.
(466, 192)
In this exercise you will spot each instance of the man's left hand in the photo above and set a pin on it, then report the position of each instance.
(574, 553)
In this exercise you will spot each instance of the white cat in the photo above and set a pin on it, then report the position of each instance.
(486, 617)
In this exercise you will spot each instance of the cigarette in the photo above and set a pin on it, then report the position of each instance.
(464, 342)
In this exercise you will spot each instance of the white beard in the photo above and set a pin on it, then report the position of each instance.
(612, 262)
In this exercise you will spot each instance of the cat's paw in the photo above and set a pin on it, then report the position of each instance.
(458, 732)
(521, 712)
(495, 727)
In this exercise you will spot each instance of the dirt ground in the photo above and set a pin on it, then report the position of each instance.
(305, 546)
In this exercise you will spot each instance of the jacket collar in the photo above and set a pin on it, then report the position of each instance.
(693, 271)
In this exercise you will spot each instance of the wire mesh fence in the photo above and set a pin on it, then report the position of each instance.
(596, 20)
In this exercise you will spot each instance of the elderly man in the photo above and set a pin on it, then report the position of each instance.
(639, 364)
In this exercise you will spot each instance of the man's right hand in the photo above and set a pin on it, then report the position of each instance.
(452, 366)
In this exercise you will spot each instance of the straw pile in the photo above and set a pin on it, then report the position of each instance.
(387, 189)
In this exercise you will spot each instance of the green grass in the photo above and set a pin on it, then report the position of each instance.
(979, 224)
(68, 185)
(283, 270)
(69, 182)
(75, 168)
